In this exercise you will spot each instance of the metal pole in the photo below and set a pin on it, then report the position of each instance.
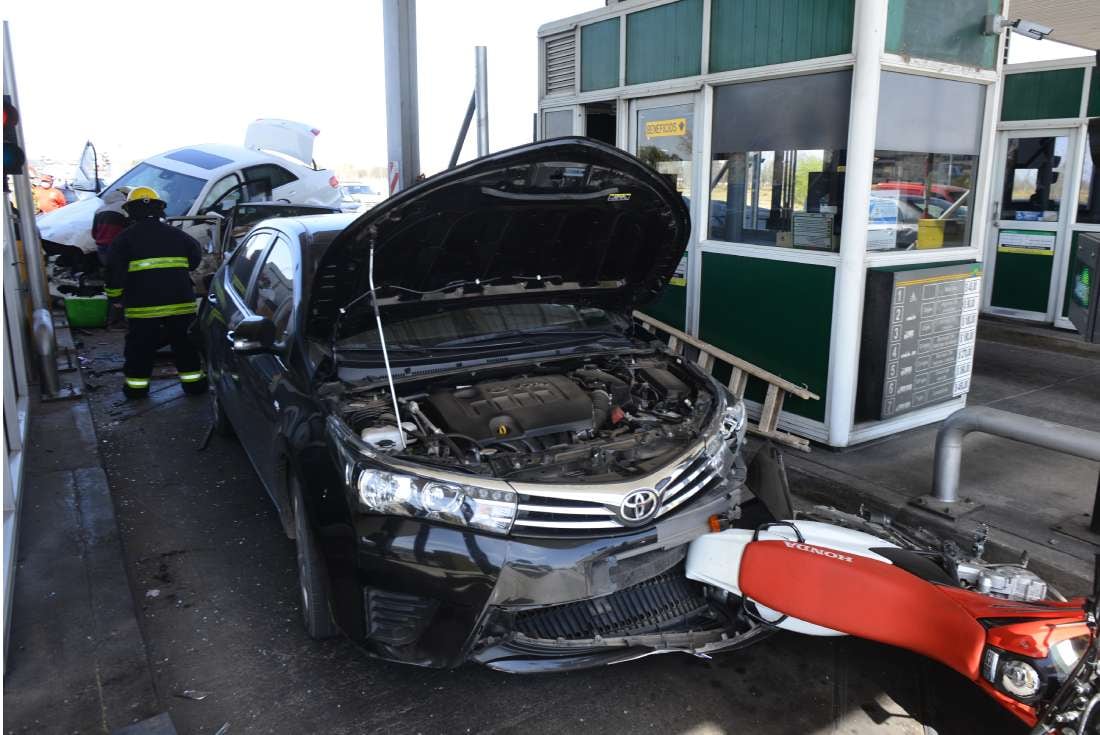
(42, 331)
(402, 115)
(464, 131)
(481, 93)
(1040, 433)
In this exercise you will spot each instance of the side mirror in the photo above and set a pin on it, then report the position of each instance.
(253, 334)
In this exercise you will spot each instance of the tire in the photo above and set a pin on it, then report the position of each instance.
(222, 427)
(312, 576)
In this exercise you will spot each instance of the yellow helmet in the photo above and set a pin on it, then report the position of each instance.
(143, 194)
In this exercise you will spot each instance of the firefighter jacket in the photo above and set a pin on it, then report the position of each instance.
(148, 266)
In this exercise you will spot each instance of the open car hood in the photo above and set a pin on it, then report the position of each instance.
(568, 220)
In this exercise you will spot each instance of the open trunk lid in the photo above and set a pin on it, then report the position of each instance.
(290, 138)
(569, 220)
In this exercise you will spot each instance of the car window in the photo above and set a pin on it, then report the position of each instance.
(273, 294)
(244, 261)
(179, 191)
(277, 175)
(219, 189)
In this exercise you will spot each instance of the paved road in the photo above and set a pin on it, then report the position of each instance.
(214, 581)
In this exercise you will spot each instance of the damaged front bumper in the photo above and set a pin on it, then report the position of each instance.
(438, 596)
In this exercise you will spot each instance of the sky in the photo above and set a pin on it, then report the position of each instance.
(139, 79)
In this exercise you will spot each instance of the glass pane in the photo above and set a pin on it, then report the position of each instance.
(920, 200)
(274, 294)
(1033, 180)
(557, 123)
(664, 142)
(1088, 201)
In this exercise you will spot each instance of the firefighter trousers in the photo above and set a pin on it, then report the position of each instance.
(144, 337)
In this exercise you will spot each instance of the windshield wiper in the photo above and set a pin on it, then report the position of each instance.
(420, 349)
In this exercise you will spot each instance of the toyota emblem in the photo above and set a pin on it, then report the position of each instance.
(639, 506)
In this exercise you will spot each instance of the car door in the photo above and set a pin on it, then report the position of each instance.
(263, 377)
(226, 306)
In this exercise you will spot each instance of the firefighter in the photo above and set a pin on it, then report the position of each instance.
(148, 270)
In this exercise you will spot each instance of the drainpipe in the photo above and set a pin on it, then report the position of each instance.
(868, 37)
(42, 331)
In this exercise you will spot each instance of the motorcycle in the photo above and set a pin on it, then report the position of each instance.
(828, 573)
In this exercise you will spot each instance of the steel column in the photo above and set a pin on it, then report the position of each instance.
(868, 39)
(402, 115)
(481, 93)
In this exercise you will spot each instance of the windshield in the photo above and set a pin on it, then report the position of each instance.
(178, 190)
(476, 325)
(354, 189)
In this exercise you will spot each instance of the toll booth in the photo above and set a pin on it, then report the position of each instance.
(1046, 188)
(835, 155)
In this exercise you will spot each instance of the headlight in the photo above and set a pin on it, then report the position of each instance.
(733, 421)
(1020, 679)
(462, 505)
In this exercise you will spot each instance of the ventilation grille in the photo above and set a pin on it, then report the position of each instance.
(666, 602)
(561, 63)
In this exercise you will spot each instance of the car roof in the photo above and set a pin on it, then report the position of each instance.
(203, 160)
(315, 226)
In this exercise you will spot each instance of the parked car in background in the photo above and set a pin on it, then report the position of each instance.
(359, 197)
(274, 164)
(518, 481)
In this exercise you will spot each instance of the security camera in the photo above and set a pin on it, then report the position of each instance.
(994, 24)
(1030, 28)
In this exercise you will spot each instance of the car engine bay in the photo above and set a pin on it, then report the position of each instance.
(603, 419)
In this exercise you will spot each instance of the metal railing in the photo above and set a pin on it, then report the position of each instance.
(1037, 432)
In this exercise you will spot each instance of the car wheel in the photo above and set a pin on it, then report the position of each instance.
(312, 578)
(222, 427)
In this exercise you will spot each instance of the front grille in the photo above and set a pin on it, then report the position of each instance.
(555, 514)
(660, 603)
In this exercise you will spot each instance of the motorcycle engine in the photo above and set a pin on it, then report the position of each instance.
(1010, 581)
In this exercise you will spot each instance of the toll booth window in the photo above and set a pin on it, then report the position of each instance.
(926, 161)
(1088, 200)
(1034, 178)
(777, 171)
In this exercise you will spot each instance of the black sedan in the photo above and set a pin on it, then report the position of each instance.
(479, 456)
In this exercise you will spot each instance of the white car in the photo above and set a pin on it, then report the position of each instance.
(359, 197)
(274, 164)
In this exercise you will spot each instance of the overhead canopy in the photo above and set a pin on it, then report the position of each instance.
(1073, 21)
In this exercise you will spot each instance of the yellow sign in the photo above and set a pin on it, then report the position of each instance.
(666, 128)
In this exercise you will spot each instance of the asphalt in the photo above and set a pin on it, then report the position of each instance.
(213, 584)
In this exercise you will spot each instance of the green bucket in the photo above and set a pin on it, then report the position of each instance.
(88, 311)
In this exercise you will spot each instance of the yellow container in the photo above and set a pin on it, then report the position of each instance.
(930, 233)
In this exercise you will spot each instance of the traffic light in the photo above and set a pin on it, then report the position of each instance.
(14, 158)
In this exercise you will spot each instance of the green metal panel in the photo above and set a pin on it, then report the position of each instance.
(670, 307)
(745, 33)
(775, 314)
(1069, 273)
(1022, 281)
(600, 55)
(1038, 95)
(944, 30)
(1094, 94)
(665, 42)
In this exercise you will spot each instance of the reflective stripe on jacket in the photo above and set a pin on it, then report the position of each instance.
(148, 268)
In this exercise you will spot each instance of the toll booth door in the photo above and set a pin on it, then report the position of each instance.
(662, 134)
(1029, 237)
